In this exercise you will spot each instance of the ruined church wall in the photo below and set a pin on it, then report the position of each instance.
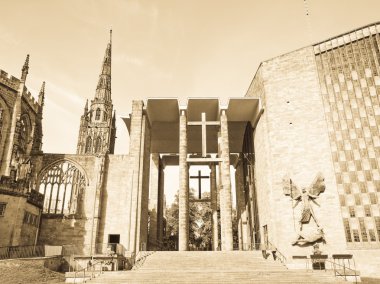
(292, 139)
(13, 230)
(75, 230)
(115, 199)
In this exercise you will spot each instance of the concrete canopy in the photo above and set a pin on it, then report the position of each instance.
(163, 115)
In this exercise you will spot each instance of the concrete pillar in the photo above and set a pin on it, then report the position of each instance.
(183, 226)
(142, 225)
(139, 186)
(239, 202)
(220, 197)
(214, 207)
(160, 208)
(226, 211)
(242, 209)
(153, 200)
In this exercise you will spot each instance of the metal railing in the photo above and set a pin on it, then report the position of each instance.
(343, 258)
(340, 268)
(89, 272)
(22, 251)
(268, 246)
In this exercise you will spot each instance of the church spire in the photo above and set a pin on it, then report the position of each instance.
(25, 69)
(86, 108)
(41, 96)
(103, 89)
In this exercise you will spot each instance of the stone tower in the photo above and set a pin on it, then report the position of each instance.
(20, 122)
(97, 126)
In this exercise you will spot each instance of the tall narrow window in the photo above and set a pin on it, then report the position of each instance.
(98, 145)
(62, 184)
(105, 116)
(1, 122)
(3, 205)
(88, 144)
(97, 114)
(24, 125)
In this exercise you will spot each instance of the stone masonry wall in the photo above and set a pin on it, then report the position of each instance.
(291, 139)
(13, 231)
(74, 230)
(115, 200)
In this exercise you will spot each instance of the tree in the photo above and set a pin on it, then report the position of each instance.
(200, 226)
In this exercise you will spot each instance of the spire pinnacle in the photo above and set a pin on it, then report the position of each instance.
(25, 69)
(86, 108)
(41, 96)
(103, 89)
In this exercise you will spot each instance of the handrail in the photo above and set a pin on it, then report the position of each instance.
(92, 265)
(324, 258)
(336, 272)
(280, 255)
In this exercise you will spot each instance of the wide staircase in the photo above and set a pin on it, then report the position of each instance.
(213, 267)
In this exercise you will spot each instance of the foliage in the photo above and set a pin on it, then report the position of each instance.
(200, 224)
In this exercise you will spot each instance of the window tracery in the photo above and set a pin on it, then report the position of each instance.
(97, 114)
(98, 145)
(62, 186)
(24, 131)
(1, 122)
(88, 144)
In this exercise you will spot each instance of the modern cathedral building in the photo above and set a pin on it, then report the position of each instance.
(303, 144)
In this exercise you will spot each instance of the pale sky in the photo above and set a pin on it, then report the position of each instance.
(161, 48)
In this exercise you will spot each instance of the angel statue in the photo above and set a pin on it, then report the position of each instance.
(305, 196)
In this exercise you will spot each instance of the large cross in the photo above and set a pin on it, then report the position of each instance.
(203, 123)
(199, 177)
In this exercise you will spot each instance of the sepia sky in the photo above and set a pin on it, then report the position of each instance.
(161, 48)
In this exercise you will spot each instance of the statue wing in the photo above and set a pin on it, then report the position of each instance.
(290, 188)
(318, 185)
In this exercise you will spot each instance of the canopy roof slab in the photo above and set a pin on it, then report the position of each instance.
(163, 115)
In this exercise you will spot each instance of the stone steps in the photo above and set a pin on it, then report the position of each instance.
(213, 267)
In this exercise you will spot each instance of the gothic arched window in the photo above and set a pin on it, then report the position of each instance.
(88, 144)
(98, 145)
(62, 185)
(1, 123)
(24, 125)
(97, 114)
(4, 126)
(105, 116)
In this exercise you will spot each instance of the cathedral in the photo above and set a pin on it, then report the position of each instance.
(303, 145)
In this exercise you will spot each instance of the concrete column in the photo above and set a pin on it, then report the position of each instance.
(134, 148)
(239, 202)
(242, 209)
(220, 197)
(226, 212)
(183, 226)
(160, 208)
(139, 186)
(142, 236)
(214, 207)
(153, 200)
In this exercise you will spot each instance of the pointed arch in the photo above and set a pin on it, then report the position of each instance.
(62, 183)
(97, 114)
(25, 128)
(98, 145)
(105, 116)
(4, 125)
(88, 145)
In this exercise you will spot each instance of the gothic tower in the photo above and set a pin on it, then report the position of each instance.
(97, 126)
